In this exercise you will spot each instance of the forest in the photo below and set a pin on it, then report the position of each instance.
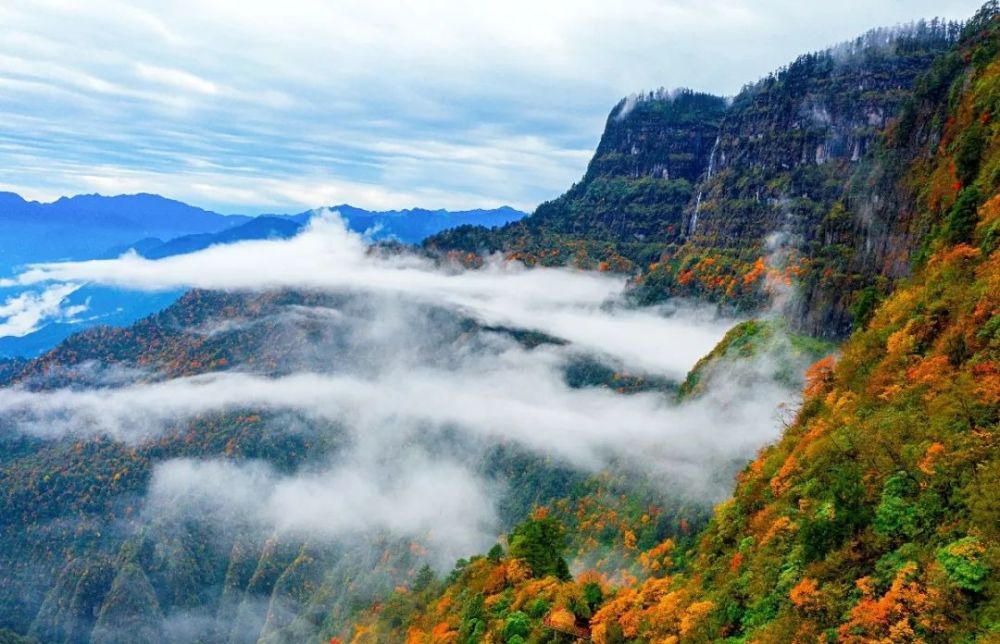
(740, 383)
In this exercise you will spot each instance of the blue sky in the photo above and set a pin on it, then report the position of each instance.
(249, 106)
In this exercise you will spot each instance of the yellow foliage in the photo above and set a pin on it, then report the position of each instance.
(695, 615)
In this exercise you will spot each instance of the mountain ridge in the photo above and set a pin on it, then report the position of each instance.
(873, 518)
(776, 176)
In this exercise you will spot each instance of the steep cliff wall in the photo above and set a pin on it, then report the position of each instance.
(794, 181)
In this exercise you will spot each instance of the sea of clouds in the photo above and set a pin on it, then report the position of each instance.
(418, 401)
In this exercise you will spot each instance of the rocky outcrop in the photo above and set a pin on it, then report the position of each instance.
(800, 170)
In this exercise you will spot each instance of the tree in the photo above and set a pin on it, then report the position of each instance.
(963, 216)
(540, 542)
(963, 561)
(495, 553)
(424, 578)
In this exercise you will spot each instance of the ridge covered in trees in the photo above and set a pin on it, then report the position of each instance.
(875, 517)
(863, 179)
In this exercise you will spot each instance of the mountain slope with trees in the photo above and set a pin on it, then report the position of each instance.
(875, 517)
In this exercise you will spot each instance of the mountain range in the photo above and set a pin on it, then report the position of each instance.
(844, 210)
(94, 226)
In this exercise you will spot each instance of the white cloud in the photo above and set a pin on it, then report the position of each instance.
(413, 394)
(515, 395)
(574, 305)
(176, 79)
(26, 312)
(363, 96)
(443, 504)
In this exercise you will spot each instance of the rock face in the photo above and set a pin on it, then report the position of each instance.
(653, 150)
(789, 142)
(659, 135)
(800, 169)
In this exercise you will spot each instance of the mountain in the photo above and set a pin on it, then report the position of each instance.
(412, 226)
(92, 226)
(693, 195)
(407, 226)
(854, 194)
(874, 518)
(263, 227)
(78, 562)
(83, 226)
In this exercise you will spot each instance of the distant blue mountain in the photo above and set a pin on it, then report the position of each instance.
(407, 226)
(84, 226)
(415, 225)
(263, 227)
(97, 227)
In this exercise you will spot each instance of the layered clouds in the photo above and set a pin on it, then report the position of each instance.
(255, 106)
(443, 503)
(577, 306)
(29, 310)
(417, 370)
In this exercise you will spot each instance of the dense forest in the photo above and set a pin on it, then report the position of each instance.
(846, 208)
(875, 517)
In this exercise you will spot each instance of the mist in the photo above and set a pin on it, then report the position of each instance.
(581, 307)
(401, 376)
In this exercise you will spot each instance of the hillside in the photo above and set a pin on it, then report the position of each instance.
(93, 226)
(875, 517)
(83, 558)
(301, 462)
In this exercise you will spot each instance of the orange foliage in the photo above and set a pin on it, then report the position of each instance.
(759, 268)
(931, 457)
(894, 616)
(819, 377)
(695, 615)
(805, 594)
(442, 634)
(781, 525)
(987, 378)
(658, 557)
(562, 619)
(539, 513)
(781, 481)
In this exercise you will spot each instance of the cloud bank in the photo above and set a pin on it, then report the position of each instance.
(442, 503)
(416, 395)
(574, 305)
(28, 311)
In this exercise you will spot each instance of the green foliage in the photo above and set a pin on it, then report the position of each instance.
(970, 144)
(897, 515)
(424, 578)
(865, 302)
(130, 612)
(842, 516)
(541, 542)
(473, 624)
(593, 595)
(495, 553)
(962, 217)
(517, 625)
(769, 340)
(538, 607)
(964, 562)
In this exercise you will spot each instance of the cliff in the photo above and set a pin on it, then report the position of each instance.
(690, 193)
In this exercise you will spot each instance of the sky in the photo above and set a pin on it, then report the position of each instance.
(246, 106)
